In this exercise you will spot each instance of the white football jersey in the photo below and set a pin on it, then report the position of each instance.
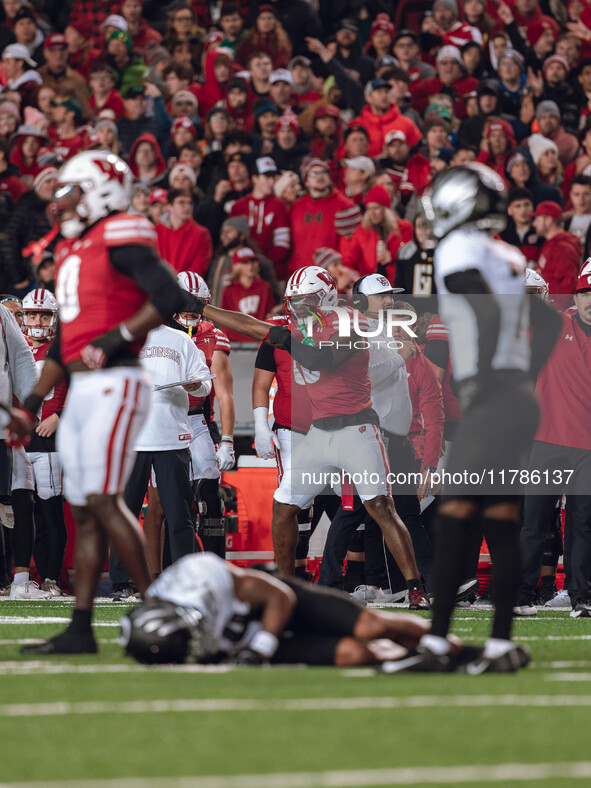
(503, 269)
(170, 355)
(202, 581)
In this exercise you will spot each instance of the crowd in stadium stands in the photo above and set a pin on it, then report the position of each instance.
(268, 135)
(319, 123)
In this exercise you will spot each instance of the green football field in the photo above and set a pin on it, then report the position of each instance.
(104, 721)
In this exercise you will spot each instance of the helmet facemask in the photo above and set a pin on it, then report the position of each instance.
(69, 209)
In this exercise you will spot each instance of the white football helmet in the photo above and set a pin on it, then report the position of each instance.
(196, 285)
(535, 283)
(37, 301)
(471, 195)
(91, 185)
(309, 289)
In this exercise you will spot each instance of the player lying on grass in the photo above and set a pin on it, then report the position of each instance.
(202, 609)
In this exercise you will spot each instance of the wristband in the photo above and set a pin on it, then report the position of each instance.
(261, 418)
(264, 643)
(227, 439)
(32, 404)
(430, 469)
(126, 333)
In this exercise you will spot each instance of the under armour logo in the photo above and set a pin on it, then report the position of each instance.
(569, 337)
(313, 217)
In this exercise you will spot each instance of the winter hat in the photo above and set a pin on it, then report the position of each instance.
(514, 55)
(185, 95)
(538, 145)
(106, 123)
(84, 29)
(10, 108)
(513, 158)
(378, 194)
(239, 223)
(449, 51)
(28, 130)
(549, 208)
(283, 181)
(307, 166)
(556, 59)
(382, 22)
(115, 20)
(288, 120)
(183, 122)
(501, 125)
(537, 29)
(121, 35)
(33, 116)
(545, 107)
(44, 175)
(324, 256)
(451, 4)
(327, 111)
(361, 163)
(183, 168)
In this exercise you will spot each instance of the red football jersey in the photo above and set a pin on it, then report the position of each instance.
(291, 405)
(92, 295)
(54, 401)
(343, 389)
(208, 338)
(269, 225)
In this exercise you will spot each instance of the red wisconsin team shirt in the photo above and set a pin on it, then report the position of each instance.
(343, 389)
(54, 401)
(256, 300)
(92, 295)
(566, 409)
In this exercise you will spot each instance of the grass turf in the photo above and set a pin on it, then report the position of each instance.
(434, 727)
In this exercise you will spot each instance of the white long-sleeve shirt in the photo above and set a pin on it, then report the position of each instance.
(168, 356)
(389, 382)
(17, 365)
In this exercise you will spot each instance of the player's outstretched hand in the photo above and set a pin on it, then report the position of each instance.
(247, 658)
(265, 442)
(278, 335)
(20, 427)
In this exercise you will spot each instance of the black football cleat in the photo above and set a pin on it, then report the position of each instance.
(420, 660)
(65, 643)
(511, 661)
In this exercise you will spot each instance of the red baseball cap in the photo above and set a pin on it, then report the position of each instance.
(548, 208)
(158, 195)
(243, 255)
(55, 40)
(584, 280)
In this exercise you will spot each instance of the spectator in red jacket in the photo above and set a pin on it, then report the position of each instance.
(66, 134)
(247, 292)
(146, 160)
(560, 259)
(374, 245)
(322, 217)
(185, 244)
(267, 217)
(498, 141)
(379, 115)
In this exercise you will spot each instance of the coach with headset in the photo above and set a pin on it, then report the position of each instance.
(391, 401)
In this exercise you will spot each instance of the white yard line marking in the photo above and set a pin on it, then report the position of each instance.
(40, 667)
(61, 709)
(31, 641)
(354, 778)
(50, 620)
(568, 677)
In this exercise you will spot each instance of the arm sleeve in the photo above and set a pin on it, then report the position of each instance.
(471, 285)
(353, 91)
(55, 349)
(437, 351)
(431, 408)
(546, 325)
(266, 358)
(153, 276)
(21, 364)
(312, 358)
(384, 366)
(197, 368)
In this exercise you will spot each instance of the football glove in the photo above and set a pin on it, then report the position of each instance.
(265, 440)
(225, 453)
